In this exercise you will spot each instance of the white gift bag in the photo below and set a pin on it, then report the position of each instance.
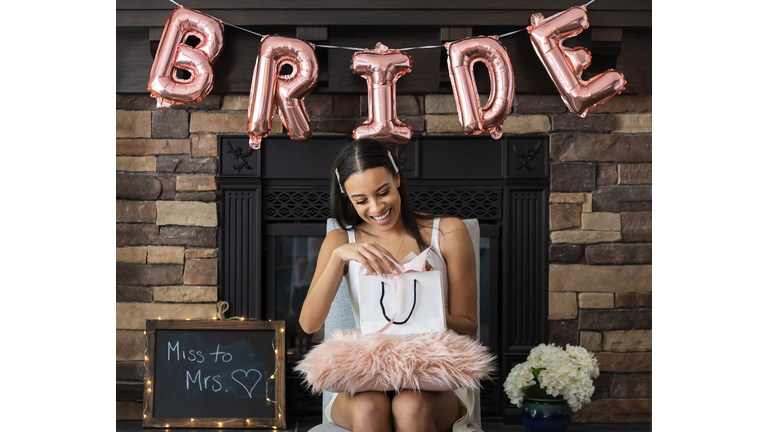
(408, 303)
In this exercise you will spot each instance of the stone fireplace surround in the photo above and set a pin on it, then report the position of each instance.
(600, 224)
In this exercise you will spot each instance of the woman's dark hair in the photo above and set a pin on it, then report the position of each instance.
(358, 156)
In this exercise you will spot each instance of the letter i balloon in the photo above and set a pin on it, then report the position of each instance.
(174, 53)
(381, 68)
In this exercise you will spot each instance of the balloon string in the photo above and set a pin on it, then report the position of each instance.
(249, 31)
(513, 32)
(239, 28)
(421, 47)
(363, 49)
(341, 47)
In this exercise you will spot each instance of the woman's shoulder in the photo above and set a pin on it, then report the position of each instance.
(338, 236)
(446, 225)
(452, 225)
(454, 236)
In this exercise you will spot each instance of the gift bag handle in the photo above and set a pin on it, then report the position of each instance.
(384, 311)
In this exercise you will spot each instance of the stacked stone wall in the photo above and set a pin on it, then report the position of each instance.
(600, 251)
(600, 224)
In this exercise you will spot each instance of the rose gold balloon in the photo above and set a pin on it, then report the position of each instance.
(173, 53)
(289, 90)
(462, 55)
(565, 65)
(381, 68)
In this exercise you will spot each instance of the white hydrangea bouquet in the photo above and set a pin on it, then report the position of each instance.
(553, 371)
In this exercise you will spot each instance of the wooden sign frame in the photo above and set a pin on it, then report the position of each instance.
(276, 422)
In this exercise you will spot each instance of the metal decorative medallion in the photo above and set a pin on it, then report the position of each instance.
(404, 162)
(240, 157)
(528, 154)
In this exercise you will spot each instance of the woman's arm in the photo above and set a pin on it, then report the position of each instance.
(325, 282)
(456, 247)
(334, 255)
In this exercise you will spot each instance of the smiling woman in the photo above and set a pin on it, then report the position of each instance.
(369, 169)
(370, 199)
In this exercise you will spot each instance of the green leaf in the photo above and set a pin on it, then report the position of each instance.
(534, 390)
(537, 371)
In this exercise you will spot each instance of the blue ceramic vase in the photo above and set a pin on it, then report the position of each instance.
(546, 414)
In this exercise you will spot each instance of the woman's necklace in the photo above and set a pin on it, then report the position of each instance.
(398, 249)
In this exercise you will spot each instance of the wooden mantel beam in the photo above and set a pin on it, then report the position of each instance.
(613, 13)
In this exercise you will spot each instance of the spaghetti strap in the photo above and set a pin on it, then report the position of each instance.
(435, 232)
(351, 235)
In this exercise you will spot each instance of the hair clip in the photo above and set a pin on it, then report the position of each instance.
(339, 180)
(393, 162)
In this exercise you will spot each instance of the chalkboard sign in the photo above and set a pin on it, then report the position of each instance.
(212, 373)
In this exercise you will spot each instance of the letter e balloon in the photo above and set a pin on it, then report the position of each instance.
(565, 65)
(173, 53)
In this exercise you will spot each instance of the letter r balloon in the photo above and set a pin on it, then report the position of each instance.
(462, 55)
(381, 68)
(173, 53)
(565, 65)
(286, 93)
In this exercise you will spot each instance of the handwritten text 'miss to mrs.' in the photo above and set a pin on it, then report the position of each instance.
(199, 357)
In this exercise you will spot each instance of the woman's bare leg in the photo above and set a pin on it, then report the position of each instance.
(425, 411)
(363, 412)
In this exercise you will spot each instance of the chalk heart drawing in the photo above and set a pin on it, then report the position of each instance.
(246, 376)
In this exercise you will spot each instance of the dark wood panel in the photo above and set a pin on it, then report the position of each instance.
(385, 4)
(642, 18)
(635, 61)
(462, 158)
(285, 158)
(133, 59)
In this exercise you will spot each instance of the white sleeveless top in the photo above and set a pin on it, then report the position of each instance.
(434, 258)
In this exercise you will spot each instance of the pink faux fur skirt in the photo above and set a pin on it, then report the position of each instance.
(348, 362)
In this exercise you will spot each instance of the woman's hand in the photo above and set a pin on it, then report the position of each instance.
(335, 253)
(372, 256)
